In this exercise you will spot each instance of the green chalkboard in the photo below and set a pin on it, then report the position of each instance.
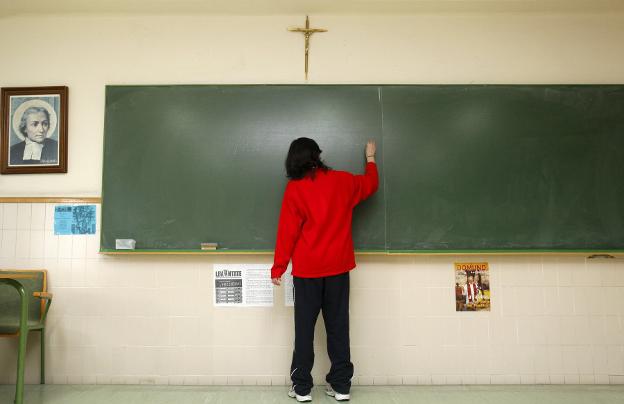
(462, 168)
(190, 164)
(504, 167)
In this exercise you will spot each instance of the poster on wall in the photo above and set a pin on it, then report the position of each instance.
(242, 285)
(33, 139)
(472, 286)
(74, 219)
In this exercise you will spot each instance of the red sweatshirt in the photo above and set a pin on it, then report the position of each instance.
(315, 222)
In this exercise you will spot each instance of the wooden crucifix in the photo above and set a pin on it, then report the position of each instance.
(307, 32)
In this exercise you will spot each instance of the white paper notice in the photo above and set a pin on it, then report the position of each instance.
(289, 287)
(242, 285)
(228, 285)
(258, 286)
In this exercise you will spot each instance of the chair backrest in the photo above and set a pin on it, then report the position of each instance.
(10, 300)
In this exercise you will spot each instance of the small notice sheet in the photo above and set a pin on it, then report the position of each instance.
(74, 219)
(242, 285)
(289, 287)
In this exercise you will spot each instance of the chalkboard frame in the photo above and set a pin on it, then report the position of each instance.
(387, 251)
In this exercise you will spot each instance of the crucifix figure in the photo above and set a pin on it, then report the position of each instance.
(307, 32)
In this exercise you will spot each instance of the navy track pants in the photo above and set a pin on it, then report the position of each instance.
(331, 295)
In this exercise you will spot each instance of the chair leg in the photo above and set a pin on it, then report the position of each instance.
(23, 338)
(43, 356)
(21, 359)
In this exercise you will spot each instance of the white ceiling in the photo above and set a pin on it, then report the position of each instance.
(277, 7)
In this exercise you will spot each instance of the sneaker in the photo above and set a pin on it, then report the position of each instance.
(339, 397)
(301, 399)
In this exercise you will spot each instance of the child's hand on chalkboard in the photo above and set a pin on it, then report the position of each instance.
(276, 281)
(371, 149)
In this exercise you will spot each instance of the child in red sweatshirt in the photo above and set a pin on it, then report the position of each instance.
(315, 231)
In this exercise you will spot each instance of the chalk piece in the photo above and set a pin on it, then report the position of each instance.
(124, 244)
(208, 246)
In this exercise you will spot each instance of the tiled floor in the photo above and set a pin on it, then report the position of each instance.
(509, 394)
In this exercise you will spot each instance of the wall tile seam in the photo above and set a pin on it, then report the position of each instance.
(133, 377)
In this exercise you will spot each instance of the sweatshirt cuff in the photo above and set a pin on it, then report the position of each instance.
(370, 165)
(277, 272)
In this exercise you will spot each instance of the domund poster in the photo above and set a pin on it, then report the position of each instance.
(472, 286)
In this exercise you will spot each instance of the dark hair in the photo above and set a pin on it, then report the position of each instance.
(304, 156)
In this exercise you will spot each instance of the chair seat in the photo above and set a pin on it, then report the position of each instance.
(13, 328)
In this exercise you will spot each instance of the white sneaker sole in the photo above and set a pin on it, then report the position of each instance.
(338, 396)
(301, 399)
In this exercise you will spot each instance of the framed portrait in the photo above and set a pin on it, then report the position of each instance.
(34, 130)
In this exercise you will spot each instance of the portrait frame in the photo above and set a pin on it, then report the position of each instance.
(24, 151)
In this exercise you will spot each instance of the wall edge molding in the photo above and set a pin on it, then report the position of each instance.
(50, 199)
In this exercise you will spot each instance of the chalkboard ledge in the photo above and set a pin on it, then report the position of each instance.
(588, 253)
(211, 252)
(182, 252)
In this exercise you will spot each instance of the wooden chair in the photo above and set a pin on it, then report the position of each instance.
(24, 305)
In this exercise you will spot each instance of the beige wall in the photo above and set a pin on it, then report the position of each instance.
(150, 320)
(86, 53)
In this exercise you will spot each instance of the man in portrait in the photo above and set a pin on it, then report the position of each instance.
(32, 138)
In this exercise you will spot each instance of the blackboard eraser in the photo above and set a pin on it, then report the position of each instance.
(124, 244)
(594, 256)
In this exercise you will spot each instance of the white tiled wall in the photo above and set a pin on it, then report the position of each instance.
(150, 319)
